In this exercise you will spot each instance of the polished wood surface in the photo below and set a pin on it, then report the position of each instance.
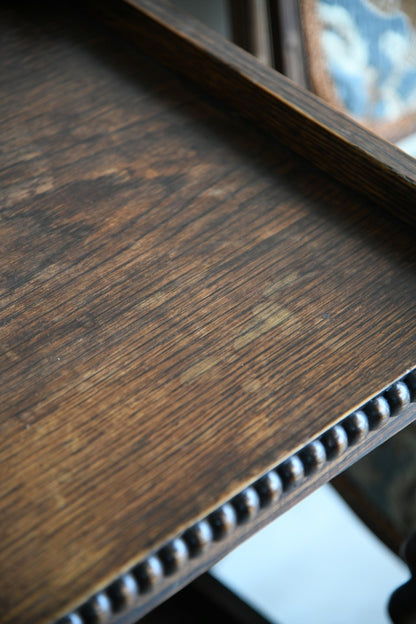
(185, 303)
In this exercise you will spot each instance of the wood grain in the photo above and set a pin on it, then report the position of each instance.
(328, 138)
(184, 303)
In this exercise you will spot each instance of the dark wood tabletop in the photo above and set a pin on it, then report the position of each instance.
(198, 326)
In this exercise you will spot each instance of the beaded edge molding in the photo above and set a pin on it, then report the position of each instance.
(127, 591)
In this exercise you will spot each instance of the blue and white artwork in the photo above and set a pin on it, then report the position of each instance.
(370, 49)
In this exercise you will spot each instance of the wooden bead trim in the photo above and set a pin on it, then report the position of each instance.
(127, 591)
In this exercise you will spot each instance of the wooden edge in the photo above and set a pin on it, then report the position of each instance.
(298, 119)
(148, 582)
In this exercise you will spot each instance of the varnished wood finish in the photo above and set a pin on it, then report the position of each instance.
(185, 303)
(293, 116)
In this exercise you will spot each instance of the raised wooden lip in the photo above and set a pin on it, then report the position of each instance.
(317, 131)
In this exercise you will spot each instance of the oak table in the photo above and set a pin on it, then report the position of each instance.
(203, 318)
